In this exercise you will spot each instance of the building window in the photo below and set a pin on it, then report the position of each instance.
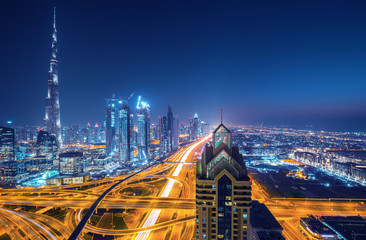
(203, 219)
(213, 186)
(245, 216)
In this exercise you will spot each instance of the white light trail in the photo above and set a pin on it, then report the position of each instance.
(154, 215)
(30, 220)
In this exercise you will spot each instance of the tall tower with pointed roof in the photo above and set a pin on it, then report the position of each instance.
(52, 114)
(223, 190)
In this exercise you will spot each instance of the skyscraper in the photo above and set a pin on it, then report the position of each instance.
(193, 127)
(223, 190)
(143, 129)
(170, 129)
(175, 132)
(124, 133)
(52, 117)
(111, 124)
(8, 163)
(47, 145)
(163, 141)
(7, 144)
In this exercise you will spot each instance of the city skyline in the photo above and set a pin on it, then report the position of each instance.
(274, 83)
(183, 120)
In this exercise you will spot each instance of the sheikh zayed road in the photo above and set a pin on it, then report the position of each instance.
(155, 203)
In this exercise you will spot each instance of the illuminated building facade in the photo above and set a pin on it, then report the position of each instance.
(143, 129)
(193, 127)
(170, 129)
(52, 114)
(175, 132)
(7, 144)
(46, 144)
(111, 124)
(8, 163)
(125, 133)
(71, 163)
(163, 133)
(223, 190)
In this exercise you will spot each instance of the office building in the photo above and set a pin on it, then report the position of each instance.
(163, 136)
(71, 163)
(223, 190)
(47, 144)
(125, 134)
(175, 132)
(143, 129)
(7, 144)
(111, 124)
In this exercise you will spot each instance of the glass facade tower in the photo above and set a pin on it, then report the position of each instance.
(52, 114)
(223, 190)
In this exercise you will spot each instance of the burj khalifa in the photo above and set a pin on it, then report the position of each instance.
(52, 117)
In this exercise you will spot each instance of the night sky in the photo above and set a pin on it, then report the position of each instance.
(292, 63)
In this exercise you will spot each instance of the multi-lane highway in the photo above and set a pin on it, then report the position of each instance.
(164, 209)
(157, 203)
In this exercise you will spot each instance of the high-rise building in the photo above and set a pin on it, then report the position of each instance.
(170, 129)
(52, 114)
(8, 163)
(143, 129)
(163, 141)
(125, 133)
(175, 132)
(47, 144)
(205, 128)
(7, 144)
(193, 127)
(223, 190)
(111, 124)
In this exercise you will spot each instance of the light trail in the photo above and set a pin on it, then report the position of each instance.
(30, 220)
(154, 215)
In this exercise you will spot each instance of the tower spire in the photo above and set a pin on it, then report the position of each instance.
(54, 17)
(221, 115)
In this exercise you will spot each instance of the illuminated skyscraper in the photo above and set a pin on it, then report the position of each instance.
(124, 133)
(163, 141)
(170, 129)
(111, 124)
(52, 117)
(8, 163)
(143, 129)
(193, 127)
(47, 145)
(223, 190)
(175, 132)
(7, 144)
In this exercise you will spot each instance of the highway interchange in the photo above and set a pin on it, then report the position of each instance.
(162, 199)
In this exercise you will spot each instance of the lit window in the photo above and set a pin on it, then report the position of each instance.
(222, 136)
(245, 216)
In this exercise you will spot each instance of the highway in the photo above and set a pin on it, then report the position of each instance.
(164, 205)
(156, 203)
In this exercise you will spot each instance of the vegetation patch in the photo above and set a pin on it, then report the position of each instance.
(57, 213)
